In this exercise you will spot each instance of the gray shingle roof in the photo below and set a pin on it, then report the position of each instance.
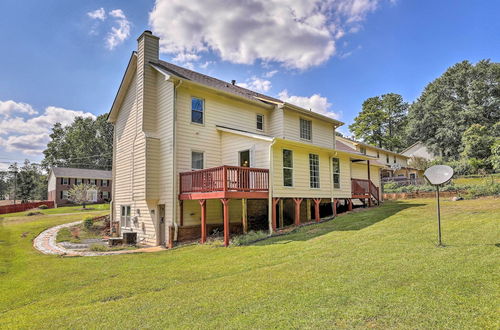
(213, 82)
(84, 173)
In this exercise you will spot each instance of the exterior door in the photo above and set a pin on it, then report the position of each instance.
(244, 180)
(245, 158)
(161, 224)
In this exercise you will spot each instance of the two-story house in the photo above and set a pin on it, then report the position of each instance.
(397, 166)
(193, 153)
(62, 179)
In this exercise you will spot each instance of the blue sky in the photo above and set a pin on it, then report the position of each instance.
(60, 59)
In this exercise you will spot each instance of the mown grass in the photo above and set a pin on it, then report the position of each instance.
(477, 180)
(378, 268)
(60, 210)
(65, 235)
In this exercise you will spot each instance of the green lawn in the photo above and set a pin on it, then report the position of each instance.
(378, 268)
(477, 180)
(59, 210)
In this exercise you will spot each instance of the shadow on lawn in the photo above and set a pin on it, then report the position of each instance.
(345, 222)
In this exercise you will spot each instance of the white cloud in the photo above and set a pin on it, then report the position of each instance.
(185, 57)
(9, 107)
(32, 134)
(206, 64)
(99, 14)
(30, 144)
(270, 74)
(120, 32)
(315, 102)
(256, 84)
(296, 33)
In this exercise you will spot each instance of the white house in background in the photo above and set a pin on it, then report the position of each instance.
(418, 149)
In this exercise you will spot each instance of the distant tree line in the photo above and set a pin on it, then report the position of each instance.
(457, 117)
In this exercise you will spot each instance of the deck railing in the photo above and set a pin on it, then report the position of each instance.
(224, 178)
(364, 187)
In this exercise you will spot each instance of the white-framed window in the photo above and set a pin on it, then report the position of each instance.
(313, 171)
(92, 181)
(287, 168)
(104, 183)
(336, 172)
(79, 181)
(125, 218)
(362, 150)
(197, 110)
(197, 160)
(64, 194)
(64, 180)
(305, 129)
(260, 122)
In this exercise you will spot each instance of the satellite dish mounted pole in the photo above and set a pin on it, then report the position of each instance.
(438, 216)
(436, 176)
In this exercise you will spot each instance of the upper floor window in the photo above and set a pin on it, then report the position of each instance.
(362, 150)
(197, 160)
(197, 110)
(305, 129)
(260, 122)
(287, 168)
(378, 154)
(104, 183)
(313, 171)
(64, 180)
(79, 181)
(394, 160)
(336, 172)
(92, 181)
(387, 159)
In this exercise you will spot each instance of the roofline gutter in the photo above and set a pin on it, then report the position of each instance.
(294, 107)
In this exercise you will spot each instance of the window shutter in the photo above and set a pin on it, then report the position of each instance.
(61, 193)
(61, 180)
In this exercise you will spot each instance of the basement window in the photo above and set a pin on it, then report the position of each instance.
(125, 218)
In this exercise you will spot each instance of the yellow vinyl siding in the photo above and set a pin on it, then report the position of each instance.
(322, 131)
(232, 144)
(301, 184)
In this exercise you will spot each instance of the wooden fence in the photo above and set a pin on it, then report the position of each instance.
(24, 206)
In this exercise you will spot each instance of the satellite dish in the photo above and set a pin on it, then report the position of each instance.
(438, 174)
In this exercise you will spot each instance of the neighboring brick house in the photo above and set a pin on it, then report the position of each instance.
(61, 180)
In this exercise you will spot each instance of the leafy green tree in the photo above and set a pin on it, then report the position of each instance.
(86, 143)
(382, 121)
(477, 142)
(495, 155)
(464, 95)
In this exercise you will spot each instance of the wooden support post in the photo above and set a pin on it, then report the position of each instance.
(203, 204)
(349, 205)
(308, 210)
(297, 210)
(275, 202)
(244, 218)
(225, 203)
(171, 232)
(181, 213)
(316, 209)
(281, 214)
(334, 207)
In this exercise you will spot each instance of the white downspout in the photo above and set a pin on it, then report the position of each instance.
(174, 164)
(270, 188)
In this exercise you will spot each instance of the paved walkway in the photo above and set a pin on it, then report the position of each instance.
(46, 243)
